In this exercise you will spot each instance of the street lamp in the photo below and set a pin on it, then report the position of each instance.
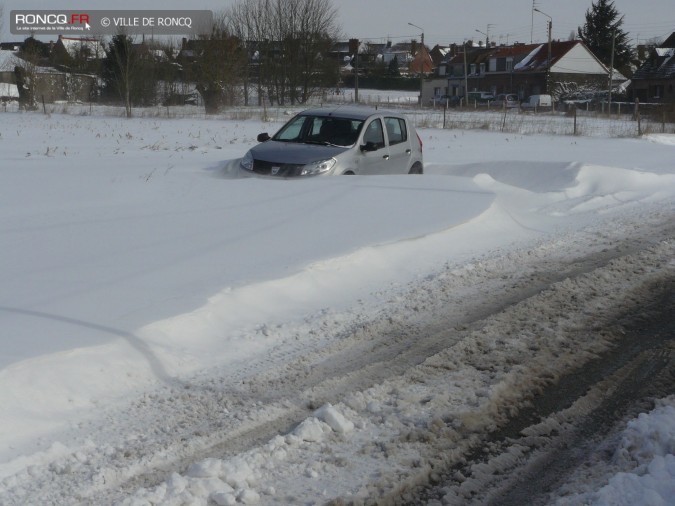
(421, 62)
(487, 37)
(548, 66)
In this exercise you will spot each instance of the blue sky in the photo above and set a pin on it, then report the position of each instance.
(443, 21)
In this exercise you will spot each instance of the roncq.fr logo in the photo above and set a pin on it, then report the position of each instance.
(40, 19)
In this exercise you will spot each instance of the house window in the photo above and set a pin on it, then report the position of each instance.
(509, 64)
(441, 70)
(494, 64)
(473, 69)
(482, 68)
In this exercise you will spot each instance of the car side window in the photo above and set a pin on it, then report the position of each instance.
(374, 134)
(396, 130)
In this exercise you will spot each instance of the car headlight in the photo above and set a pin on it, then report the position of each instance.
(315, 168)
(247, 161)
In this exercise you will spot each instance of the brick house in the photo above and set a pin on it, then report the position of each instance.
(522, 69)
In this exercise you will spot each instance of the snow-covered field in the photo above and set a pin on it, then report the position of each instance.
(155, 305)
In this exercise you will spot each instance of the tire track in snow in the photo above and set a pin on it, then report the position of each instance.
(225, 413)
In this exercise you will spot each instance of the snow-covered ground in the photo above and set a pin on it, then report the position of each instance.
(137, 270)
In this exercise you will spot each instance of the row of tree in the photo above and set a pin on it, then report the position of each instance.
(267, 50)
(274, 48)
(270, 51)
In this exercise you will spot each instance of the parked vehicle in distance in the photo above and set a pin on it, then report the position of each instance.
(536, 102)
(449, 100)
(507, 100)
(337, 140)
(480, 97)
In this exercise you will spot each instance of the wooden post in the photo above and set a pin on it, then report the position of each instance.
(637, 115)
(575, 120)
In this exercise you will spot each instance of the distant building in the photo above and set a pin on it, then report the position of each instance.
(521, 69)
(654, 81)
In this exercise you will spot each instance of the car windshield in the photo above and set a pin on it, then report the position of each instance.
(324, 130)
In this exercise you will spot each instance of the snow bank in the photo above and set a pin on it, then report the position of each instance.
(647, 447)
(140, 261)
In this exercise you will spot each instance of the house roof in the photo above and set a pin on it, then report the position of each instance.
(10, 46)
(10, 59)
(537, 59)
(77, 45)
(670, 41)
(567, 57)
(659, 65)
(661, 62)
(513, 51)
(7, 60)
(476, 54)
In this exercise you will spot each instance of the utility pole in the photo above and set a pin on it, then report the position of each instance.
(356, 77)
(466, 78)
(422, 51)
(611, 74)
(421, 58)
(548, 77)
(354, 49)
(548, 65)
(534, 7)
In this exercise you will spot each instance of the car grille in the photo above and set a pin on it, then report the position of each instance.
(276, 169)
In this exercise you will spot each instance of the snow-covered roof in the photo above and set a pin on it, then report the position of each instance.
(659, 65)
(7, 60)
(10, 59)
(528, 59)
(77, 45)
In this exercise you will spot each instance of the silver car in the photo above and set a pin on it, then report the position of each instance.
(335, 141)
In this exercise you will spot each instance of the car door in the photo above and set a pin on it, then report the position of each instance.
(375, 153)
(399, 144)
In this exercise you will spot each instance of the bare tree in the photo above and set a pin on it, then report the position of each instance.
(26, 65)
(289, 40)
(244, 25)
(119, 69)
(310, 35)
(218, 66)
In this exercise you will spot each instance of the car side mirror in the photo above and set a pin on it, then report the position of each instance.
(369, 146)
(263, 137)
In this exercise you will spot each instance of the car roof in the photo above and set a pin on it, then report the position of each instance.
(351, 112)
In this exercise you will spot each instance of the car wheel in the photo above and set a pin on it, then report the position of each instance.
(416, 169)
(348, 173)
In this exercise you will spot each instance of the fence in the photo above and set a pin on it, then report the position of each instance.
(625, 120)
(551, 123)
(573, 122)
